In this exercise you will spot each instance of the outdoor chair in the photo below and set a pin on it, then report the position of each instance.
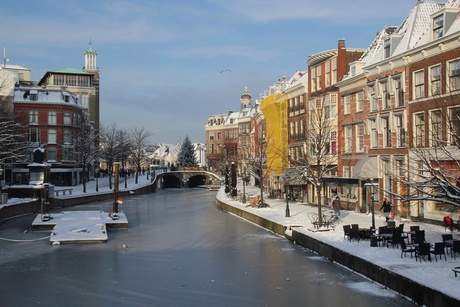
(419, 237)
(406, 249)
(439, 249)
(422, 251)
(354, 234)
(395, 239)
(355, 226)
(456, 270)
(455, 248)
(346, 231)
(447, 237)
(414, 228)
(401, 229)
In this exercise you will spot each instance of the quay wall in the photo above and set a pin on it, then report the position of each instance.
(420, 294)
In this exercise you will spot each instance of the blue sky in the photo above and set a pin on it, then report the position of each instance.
(160, 61)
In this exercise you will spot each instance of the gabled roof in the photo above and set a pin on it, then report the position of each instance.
(414, 29)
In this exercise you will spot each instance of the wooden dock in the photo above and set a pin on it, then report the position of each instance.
(79, 226)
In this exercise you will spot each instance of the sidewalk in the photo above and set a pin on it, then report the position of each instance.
(437, 275)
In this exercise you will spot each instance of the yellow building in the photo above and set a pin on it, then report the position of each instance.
(274, 108)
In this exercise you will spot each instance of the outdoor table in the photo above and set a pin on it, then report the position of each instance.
(386, 236)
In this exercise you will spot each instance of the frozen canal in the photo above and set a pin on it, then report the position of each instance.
(181, 251)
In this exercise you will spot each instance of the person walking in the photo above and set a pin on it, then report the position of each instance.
(386, 206)
(337, 206)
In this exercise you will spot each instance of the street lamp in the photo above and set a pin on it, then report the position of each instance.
(286, 183)
(372, 188)
(245, 174)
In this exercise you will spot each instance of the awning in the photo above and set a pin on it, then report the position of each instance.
(367, 168)
(295, 177)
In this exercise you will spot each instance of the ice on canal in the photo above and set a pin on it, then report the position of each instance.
(79, 226)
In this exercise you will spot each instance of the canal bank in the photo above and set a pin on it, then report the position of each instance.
(297, 231)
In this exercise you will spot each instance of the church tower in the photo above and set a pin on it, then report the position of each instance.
(245, 100)
(94, 102)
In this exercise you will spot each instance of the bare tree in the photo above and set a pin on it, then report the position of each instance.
(125, 150)
(319, 158)
(432, 171)
(109, 149)
(139, 141)
(85, 140)
(13, 141)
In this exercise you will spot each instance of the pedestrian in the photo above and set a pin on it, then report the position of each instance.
(386, 206)
(336, 205)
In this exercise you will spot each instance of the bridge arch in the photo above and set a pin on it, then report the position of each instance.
(184, 178)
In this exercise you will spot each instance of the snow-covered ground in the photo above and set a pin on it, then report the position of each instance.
(435, 274)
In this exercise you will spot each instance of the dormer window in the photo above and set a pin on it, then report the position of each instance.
(387, 48)
(438, 26)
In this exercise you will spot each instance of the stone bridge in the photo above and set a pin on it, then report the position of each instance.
(185, 179)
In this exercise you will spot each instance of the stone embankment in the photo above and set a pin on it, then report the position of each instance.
(406, 287)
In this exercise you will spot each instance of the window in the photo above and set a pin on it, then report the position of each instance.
(360, 138)
(67, 153)
(436, 128)
(328, 73)
(34, 135)
(399, 91)
(334, 71)
(52, 154)
(84, 81)
(400, 130)
(67, 137)
(71, 80)
(419, 130)
(400, 167)
(334, 142)
(84, 98)
(348, 139)
(438, 26)
(374, 133)
(313, 79)
(373, 97)
(419, 90)
(52, 118)
(51, 136)
(454, 75)
(359, 101)
(33, 117)
(385, 95)
(386, 131)
(346, 104)
(387, 48)
(435, 79)
(318, 78)
(33, 95)
(67, 119)
(58, 79)
(455, 126)
(66, 97)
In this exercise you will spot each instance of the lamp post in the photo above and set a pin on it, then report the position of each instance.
(372, 188)
(286, 183)
(244, 185)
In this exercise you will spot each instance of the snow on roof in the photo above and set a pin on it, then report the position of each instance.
(413, 31)
(23, 94)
